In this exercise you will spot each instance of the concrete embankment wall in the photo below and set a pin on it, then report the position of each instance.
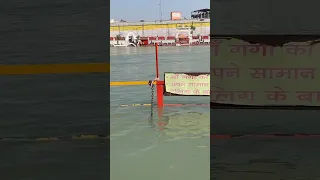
(157, 28)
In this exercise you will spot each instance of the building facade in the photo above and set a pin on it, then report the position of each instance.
(157, 28)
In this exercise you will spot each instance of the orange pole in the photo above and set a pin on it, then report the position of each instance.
(159, 84)
(157, 61)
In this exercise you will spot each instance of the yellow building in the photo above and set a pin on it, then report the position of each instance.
(159, 28)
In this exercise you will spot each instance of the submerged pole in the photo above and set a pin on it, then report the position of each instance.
(159, 83)
(160, 87)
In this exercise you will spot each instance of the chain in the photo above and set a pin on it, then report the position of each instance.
(151, 103)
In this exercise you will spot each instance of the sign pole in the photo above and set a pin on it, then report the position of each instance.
(159, 83)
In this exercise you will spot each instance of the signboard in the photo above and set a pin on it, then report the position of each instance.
(256, 74)
(187, 84)
(175, 15)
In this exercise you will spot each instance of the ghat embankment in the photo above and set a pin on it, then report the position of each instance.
(157, 28)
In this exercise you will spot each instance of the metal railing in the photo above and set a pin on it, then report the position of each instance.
(160, 22)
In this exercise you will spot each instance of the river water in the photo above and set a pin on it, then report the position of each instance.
(140, 150)
(53, 105)
(281, 158)
(266, 158)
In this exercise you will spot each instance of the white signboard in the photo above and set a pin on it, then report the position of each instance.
(188, 84)
(253, 74)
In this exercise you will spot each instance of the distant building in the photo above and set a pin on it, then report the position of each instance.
(113, 21)
(175, 16)
(200, 14)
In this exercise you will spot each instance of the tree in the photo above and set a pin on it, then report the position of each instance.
(118, 37)
(192, 28)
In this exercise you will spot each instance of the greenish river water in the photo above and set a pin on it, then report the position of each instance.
(140, 150)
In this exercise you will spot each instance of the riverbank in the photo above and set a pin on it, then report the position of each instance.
(165, 33)
(157, 28)
(163, 41)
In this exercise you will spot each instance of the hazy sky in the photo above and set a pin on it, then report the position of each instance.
(135, 10)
